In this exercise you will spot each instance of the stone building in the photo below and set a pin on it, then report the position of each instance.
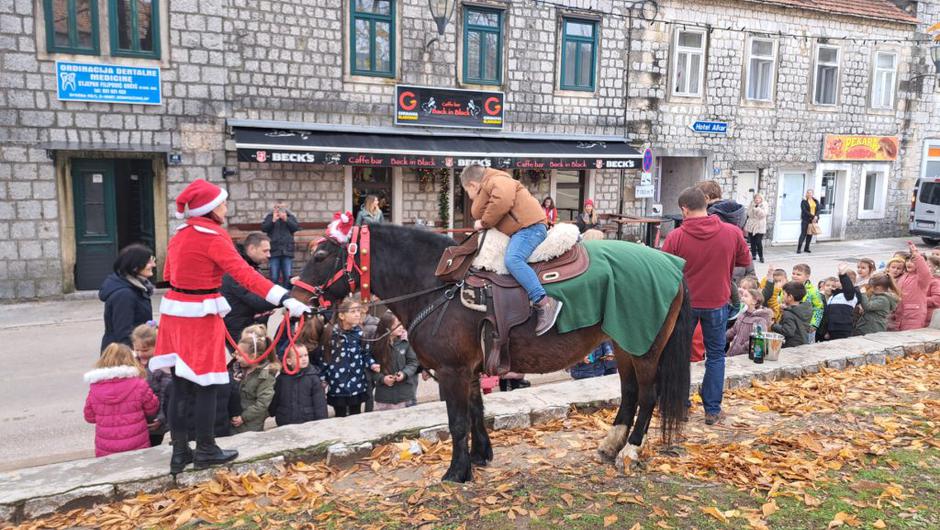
(108, 108)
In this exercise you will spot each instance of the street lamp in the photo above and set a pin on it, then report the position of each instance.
(441, 11)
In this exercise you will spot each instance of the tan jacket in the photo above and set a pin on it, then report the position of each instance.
(503, 203)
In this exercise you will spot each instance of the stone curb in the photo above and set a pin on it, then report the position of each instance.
(35, 492)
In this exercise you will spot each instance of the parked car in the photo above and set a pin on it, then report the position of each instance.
(925, 210)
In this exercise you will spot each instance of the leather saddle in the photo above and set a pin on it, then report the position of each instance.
(506, 304)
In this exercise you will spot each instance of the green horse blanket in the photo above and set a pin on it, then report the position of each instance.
(628, 289)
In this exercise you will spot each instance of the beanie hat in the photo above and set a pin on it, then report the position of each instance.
(341, 226)
(589, 202)
(198, 199)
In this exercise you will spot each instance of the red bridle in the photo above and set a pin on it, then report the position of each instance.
(359, 245)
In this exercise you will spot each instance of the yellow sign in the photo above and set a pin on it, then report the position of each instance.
(860, 148)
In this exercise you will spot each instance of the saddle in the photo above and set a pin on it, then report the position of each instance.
(499, 297)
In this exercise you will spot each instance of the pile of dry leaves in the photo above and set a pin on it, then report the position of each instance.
(780, 440)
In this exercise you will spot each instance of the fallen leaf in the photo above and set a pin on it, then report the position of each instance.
(636, 526)
(609, 520)
(879, 524)
(716, 513)
(568, 498)
(769, 508)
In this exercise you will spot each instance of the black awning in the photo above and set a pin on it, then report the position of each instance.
(392, 148)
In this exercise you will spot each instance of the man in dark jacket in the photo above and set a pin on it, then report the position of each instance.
(711, 250)
(246, 305)
(280, 226)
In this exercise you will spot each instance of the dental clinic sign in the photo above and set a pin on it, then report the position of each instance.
(107, 83)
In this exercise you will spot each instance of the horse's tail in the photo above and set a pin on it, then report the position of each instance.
(674, 374)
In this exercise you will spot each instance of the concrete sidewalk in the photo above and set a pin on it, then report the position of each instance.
(34, 492)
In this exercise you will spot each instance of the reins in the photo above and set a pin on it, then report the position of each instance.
(291, 346)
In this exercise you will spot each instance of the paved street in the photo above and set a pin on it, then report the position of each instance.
(47, 347)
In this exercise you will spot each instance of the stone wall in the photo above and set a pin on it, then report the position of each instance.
(786, 133)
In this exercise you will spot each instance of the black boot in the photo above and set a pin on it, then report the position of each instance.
(182, 456)
(503, 385)
(519, 383)
(208, 454)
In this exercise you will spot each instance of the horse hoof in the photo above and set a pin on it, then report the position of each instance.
(605, 454)
(458, 476)
(479, 460)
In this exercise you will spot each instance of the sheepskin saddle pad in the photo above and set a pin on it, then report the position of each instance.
(492, 255)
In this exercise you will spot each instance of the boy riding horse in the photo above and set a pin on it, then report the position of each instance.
(503, 203)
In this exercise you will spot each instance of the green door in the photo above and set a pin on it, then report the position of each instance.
(96, 237)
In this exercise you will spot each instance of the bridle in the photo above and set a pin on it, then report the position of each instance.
(359, 246)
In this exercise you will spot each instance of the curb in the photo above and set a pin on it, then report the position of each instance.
(35, 492)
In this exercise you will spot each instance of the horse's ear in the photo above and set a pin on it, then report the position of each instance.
(320, 255)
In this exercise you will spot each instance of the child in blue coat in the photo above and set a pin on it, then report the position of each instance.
(346, 360)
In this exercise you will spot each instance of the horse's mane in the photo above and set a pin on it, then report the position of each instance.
(412, 238)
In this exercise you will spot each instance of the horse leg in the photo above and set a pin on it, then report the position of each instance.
(481, 451)
(646, 400)
(455, 383)
(617, 436)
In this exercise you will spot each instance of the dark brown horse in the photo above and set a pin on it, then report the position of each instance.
(403, 263)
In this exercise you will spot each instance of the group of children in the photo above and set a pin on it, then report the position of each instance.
(336, 364)
(902, 296)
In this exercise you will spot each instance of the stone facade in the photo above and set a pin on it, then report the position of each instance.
(287, 60)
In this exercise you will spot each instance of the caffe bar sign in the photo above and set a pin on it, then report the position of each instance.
(448, 107)
(275, 156)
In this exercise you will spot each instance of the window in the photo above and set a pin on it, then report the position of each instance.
(827, 76)
(372, 181)
(372, 35)
(689, 63)
(71, 26)
(569, 193)
(482, 46)
(578, 54)
(135, 28)
(882, 85)
(873, 192)
(760, 70)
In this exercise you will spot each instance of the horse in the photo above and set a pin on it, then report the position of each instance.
(401, 262)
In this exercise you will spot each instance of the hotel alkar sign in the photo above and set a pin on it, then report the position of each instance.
(448, 107)
(426, 161)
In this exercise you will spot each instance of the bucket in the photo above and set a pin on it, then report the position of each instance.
(773, 342)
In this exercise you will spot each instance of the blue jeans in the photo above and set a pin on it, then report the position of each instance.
(714, 324)
(281, 265)
(521, 246)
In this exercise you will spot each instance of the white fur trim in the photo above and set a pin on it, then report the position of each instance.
(336, 234)
(114, 372)
(209, 306)
(172, 360)
(179, 215)
(205, 230)
(209, 206)
(492, 255)
(275, 294)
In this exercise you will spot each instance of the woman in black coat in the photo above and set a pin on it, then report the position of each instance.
(126, 294)
(809, 213)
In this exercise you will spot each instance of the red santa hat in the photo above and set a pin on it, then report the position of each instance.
(341, 226)
(199, 198)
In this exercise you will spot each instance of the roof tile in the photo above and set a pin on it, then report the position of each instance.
(877, 9)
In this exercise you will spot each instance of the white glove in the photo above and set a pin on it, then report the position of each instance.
(295, 307)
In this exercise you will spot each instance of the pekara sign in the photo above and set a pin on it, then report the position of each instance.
(839, 147)
(448, 107)
(107, 83)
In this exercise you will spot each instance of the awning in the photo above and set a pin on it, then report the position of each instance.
(287, 142)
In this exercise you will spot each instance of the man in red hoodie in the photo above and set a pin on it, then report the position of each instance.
(711, 250)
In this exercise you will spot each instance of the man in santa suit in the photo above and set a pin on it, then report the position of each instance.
(191, 340)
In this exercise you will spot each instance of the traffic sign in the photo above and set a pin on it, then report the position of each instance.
(647, 160)
(710, 127)
(644, 191)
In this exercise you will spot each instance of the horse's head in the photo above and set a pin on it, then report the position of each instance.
(325, 273)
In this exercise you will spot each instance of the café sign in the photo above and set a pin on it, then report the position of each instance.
(281, 156)
(840, 147)
(448, 107)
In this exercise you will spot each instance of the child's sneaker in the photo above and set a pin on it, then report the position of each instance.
(547, 310)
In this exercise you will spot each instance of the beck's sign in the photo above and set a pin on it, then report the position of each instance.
(447, 107)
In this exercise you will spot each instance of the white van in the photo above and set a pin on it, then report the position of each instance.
(925, 210)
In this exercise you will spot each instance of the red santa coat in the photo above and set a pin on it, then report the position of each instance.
(192, 334)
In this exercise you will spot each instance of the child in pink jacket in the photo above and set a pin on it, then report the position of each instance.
(933, 291)
(913, 283)
(119, 402)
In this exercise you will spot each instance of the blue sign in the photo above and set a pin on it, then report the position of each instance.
(647, 160)
(107, 83)
(712, 127)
